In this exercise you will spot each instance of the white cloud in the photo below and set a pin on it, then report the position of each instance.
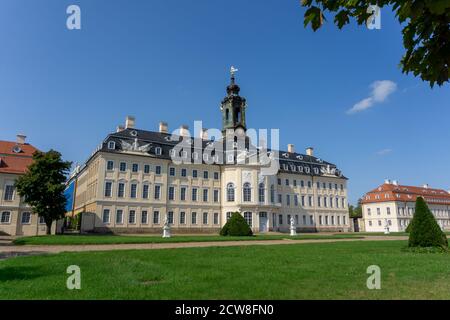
(381, 89)
(384, 152)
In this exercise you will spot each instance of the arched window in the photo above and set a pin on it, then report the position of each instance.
(230, 192)
(272, 194)
(261, 193)
(247, 190)
(227, 114)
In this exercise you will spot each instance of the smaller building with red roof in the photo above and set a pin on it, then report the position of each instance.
(392, 206)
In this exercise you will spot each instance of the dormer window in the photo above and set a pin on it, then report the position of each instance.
(17, 149)
(158, 151)
(111, 145)
(133, 133)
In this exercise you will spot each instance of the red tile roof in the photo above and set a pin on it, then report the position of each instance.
(391, 192)
(15, 162)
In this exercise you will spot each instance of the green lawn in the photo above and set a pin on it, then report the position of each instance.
(298, 271)
(117, 239)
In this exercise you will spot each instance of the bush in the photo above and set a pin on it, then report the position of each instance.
(425, 231)
(236, 226)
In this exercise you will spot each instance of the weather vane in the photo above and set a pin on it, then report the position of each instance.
(233, 70)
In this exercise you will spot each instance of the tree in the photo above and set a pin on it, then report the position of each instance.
(355, 212)
(426, 32)
(236, 226)
(424, 230)
(42, 186)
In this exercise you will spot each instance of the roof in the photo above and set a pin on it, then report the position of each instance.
(392, 192)
(147, 143)
(15, 157)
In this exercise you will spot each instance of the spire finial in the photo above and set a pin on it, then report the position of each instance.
(233, 71)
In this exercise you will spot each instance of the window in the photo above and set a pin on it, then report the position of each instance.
(146, 168)
(111, 145)
(135, 167)
(110, 165)
(338, 220)
(295, 183)
(156, 217)
(325, 202)
(108, 189)
(158, 169)
(205, 195)
(287, 182)
(247, 192)
(41, 220)
(144, 217)
(320, 220)
(331, 202)
(132, 217)
(390, 222)
(194, 218)
(205, 174)
(378, 211)
(379, 222)
(280, 219)
(370, 223)
(302, 183)
(6, 217)
(279, 181)
(342, 187)
(326, 220)
(304, 219)
(106, 217)
(194, 194)
(194, 173)
(9, 193)
(303, 201)
(26, 217)
(309, 184)
(289, 219)
(261, 193)
(157, 192)
(318, 184)
(310, 201)
(311, 220)
(295, 200)
(182, 217)
(388, 210)
(332, 220)
(248, 217)
(121, 190)
(229, 215)
(183, 194)
(230, 192)
(170, 217)
(216, 195)
(183, 172)
(319, 203)
(172, 171)
(368, 212)
(171, 193)
(205, 217)
(288, 200)
(216, 176)
(123, 166)
(280, 198)
(343, 219)
(133, 191)
(158, 151)
(216, 218)
(119, 216)
(145, 191)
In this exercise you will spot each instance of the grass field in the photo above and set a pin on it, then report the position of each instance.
(298, 271)
(117, 239)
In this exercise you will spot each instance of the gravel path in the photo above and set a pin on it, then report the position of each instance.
(7, 251)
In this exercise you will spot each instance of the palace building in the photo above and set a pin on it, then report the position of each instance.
(131, 183)
(16, 217)
(393, 205)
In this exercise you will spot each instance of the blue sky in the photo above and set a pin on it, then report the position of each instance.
(169, 60)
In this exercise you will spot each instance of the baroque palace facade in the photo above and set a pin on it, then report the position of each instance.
(393, 205)
(16, 217)
(131, 183)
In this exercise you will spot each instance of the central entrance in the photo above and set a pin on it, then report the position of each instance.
(263, 222)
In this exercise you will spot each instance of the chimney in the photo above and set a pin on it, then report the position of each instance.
(291, 148)
(204, 134)
(310, 151)
(163, 127)
(184, 131)
(425, 185)
(120, 128)
(21, 138)
(129, 122)
(395, 182)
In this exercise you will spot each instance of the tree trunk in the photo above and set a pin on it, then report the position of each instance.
(49, 226)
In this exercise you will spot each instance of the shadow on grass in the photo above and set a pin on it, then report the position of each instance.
(20, 273)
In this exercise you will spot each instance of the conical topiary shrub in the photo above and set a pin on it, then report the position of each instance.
(425, 231)
(236, 226)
